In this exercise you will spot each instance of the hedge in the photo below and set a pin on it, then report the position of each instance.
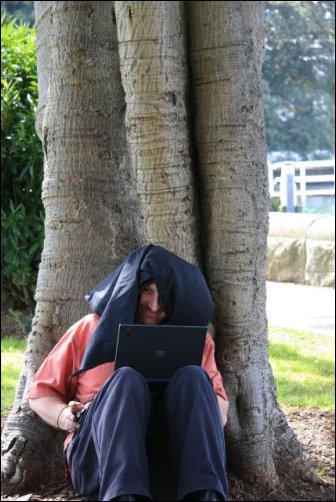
(22, 213)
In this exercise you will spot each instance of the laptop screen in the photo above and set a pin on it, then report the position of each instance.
(158, 351)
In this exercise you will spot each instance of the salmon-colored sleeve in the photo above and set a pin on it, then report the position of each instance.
(52, 378)
(209, 364)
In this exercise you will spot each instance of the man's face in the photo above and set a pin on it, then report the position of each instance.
(150, 309)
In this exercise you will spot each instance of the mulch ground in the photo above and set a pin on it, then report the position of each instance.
(316, 432)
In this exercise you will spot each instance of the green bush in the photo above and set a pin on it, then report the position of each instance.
(22, 214)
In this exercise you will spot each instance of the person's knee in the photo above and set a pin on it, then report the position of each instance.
(122, 385)
(129, 375)
(191, 373)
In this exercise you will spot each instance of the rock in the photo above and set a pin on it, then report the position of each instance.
(301, 249)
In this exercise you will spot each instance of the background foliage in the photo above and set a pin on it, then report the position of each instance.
(299, 78)
(23, 11)
(22, 215)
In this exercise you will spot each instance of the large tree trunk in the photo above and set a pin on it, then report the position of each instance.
(88, 198)
(152, 60)
(92, 214)
(226, 40)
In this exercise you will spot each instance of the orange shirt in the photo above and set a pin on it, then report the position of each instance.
(52, 378)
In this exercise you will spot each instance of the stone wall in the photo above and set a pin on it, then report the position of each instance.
(301, 249)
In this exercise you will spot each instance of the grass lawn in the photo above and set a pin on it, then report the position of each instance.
(303, 365)
(12, 352)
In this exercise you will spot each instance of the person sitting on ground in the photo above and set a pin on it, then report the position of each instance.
(110, 453)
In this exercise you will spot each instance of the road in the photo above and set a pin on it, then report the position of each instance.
(308, 308)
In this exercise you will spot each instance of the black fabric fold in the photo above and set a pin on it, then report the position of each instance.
(183, 292)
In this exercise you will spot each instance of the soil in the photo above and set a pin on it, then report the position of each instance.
(314, 428)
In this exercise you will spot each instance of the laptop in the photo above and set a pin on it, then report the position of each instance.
(158, 351)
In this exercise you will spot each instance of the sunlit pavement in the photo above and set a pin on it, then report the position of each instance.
(307, 308)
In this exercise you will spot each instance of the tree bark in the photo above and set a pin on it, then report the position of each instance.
(89, 199)
(154, 76)
(102, 201)
(225, 51)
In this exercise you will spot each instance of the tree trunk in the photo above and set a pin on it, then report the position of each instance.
(91, 185)
(225, 50)
(152, 60)
(88, 196)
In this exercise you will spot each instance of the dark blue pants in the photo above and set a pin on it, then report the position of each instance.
(130, 431)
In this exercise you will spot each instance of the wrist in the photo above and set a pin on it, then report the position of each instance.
(59, 419)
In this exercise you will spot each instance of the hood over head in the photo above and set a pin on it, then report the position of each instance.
(183, 292)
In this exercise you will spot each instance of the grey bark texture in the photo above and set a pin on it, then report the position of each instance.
(89, 199)
(151, 120)
(154, 75)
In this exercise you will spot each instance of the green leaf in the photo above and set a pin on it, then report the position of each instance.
(22, 214)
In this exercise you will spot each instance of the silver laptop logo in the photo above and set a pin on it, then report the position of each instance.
(160, 353)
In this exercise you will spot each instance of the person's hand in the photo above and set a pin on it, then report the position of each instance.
(67, 417)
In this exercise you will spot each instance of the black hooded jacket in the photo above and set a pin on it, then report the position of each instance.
(182, 288)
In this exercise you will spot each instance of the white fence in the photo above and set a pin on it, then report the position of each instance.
(304, 184)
